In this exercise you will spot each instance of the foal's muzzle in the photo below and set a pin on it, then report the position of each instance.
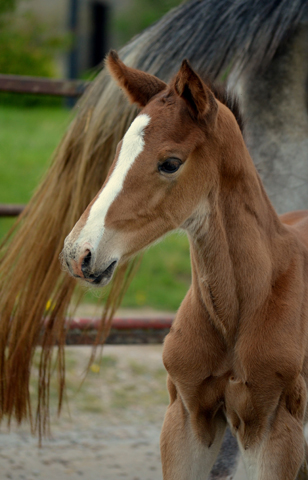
(97, 277)
(85, 266)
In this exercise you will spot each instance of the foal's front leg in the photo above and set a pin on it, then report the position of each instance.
(281, 453)
(187, 453)
(272, 442)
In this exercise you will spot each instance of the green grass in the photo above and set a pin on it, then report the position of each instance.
(28, 137)
(163, 277)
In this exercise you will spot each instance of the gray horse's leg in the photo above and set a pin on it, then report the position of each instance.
(227, 460)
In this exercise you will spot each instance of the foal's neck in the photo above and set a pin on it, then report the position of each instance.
(233, 250)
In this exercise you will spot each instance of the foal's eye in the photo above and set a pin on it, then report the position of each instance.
(170, 165)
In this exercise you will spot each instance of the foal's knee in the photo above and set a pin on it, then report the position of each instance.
(296, 398)
(252, 411)
(246, 421)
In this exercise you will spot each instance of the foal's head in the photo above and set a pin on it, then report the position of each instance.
(162, 175)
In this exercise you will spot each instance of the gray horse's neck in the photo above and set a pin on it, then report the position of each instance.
(276, 122)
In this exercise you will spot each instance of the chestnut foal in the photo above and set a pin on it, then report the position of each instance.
(236, 352)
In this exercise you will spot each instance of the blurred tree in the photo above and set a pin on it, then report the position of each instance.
(27, 47)
(138, 15)
(7, 6)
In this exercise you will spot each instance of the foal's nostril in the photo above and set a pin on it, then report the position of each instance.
(86, 261)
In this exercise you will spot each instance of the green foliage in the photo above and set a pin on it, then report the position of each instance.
(28, 47)
(6, 6)
(138, 15)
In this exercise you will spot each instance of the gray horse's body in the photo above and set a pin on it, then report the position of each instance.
(276, 122)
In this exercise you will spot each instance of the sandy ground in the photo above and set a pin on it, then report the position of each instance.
(113, 426)
(93, 452)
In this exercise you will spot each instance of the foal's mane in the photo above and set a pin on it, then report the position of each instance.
(228, 98)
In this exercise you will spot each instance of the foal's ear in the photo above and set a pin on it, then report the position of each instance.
(199, 98)
(139, 86)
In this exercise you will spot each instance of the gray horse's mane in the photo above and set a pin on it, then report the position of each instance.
(218, 34)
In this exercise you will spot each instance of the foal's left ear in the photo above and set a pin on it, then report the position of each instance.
(139, 86)
(198, 97)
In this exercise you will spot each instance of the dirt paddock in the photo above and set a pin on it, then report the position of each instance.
(109, 428)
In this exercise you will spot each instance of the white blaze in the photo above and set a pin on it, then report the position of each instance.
(132, 146)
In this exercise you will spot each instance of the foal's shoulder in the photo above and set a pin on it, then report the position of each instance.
(296, 217)
(298, 221)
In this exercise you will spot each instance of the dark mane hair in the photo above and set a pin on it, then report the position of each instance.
(216, 35)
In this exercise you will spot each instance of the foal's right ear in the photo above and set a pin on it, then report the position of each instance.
(198, 97)
(139, 86)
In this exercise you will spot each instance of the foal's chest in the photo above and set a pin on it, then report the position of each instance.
(194, 352)
(198, 364)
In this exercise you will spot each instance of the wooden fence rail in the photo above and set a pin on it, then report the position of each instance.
(128, 331)
(42, 86)
(11, 209)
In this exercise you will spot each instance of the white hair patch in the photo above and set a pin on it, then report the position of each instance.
(132, 146)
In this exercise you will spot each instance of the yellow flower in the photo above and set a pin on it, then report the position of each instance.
(95, 368)
(50, 306)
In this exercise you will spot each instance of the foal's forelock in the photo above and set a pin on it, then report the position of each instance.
(132, 145)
